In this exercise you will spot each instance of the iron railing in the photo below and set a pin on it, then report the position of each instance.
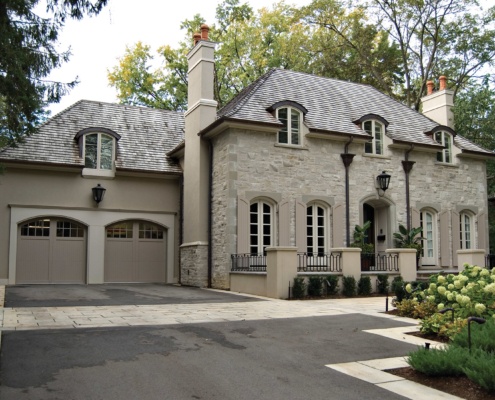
(379, 262)
(248, 262)
(319, 262)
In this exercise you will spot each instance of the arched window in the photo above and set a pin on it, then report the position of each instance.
(445, 139)
(291, 118)
(429, 225)
(99, 151)
(376, 130)
(466, 221)
(260, 226)
(316, 229)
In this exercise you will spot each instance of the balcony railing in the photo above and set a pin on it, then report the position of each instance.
(379, 262)
(248, 262)
(319, 262)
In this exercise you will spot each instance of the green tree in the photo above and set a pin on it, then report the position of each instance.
(28, 54)
(455, 38)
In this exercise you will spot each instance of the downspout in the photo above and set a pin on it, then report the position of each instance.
(181, 221)
(210, 207)
(407, 166)
(347, 160)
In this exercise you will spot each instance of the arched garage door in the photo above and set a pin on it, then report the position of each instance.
(135, 251)
(51, 250)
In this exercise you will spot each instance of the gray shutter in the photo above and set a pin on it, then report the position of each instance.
(242, 226)
(415, 218)
(482, 232)
(338, 226)
(456, 237)
(301, 212)
(284, 224)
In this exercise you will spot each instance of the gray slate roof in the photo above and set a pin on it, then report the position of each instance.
(146, 136)
(333, 106)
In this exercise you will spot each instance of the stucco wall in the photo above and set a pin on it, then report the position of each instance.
(68, 192)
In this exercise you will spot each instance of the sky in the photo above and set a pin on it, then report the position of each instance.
(97, 43)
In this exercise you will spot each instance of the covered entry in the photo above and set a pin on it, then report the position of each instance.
(51, 250)
(135, 251)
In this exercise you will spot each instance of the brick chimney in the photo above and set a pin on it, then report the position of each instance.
(438, 105)
(201, 112)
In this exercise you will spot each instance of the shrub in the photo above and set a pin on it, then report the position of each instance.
(480, 368)
(383, 283)
(442, 325)
(439, 362)
(314, 286)
(299, 288)
(349, 286)
(398, 288)
(481, 336)
(406, 307)
(332, 284)
(424, 309)
(364, 286)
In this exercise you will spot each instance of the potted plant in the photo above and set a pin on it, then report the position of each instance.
(368, 249)
(410, 239)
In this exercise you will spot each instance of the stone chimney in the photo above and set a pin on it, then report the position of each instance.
(438, 105)
(201, 112)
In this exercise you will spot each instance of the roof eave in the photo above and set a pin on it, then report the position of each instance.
(225, 123)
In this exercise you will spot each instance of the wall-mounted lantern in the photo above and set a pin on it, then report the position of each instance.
(382, 180)
(98, 193)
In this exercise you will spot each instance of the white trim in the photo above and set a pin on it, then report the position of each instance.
(201, 102)
(96, 222)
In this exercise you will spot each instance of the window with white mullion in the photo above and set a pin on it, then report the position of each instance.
(445, 139)
(290, 133)
(376, 130)
(316, 230)
(98, 151)
(260, 227)
(466, 229)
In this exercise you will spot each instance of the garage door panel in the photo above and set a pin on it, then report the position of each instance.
(151, 261)
(68, 257)
(33, 260)
(119, 261)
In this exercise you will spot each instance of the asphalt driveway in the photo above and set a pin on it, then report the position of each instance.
(279, 358)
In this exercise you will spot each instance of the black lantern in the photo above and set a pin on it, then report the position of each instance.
(383, 181)
(98, 193)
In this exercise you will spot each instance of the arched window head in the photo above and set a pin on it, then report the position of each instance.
(97, 148)
(291, 118)
(376, 130)
(445, 139)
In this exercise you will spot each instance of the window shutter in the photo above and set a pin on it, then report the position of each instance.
(415, 218)
(445, 254)
(301, 211)
(456, 237)
(284, 224)
(242, 226)
(482, 242)
(338, 226)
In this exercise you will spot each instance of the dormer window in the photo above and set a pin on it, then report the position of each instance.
(445, 139)
(98, 151)
(97, 147)
(291, 118)
(376, 130)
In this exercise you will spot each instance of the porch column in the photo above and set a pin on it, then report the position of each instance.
(407, 263)
(281, 269)
(471, 257)
(351, 261)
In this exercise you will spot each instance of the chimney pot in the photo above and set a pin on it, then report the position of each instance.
(429, 86)
(443, 82)
(196, 38)
(204, 31)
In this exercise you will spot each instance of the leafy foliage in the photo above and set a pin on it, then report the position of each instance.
(299, 288)
(439, 362)
(332, 284)
(383, 283)
(409, 239)
(315, 286)
(398, 288)
(349, 286)
(442, 325)
(364, 286)
(27, 57)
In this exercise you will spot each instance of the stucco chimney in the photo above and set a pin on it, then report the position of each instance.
(438, 105)
(201, 112)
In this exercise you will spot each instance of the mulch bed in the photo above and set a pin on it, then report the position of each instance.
(458, 386)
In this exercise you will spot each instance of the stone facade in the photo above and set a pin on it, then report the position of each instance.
(194, 265)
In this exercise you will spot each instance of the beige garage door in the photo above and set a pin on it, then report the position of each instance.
(51, 250)
(135, 251)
